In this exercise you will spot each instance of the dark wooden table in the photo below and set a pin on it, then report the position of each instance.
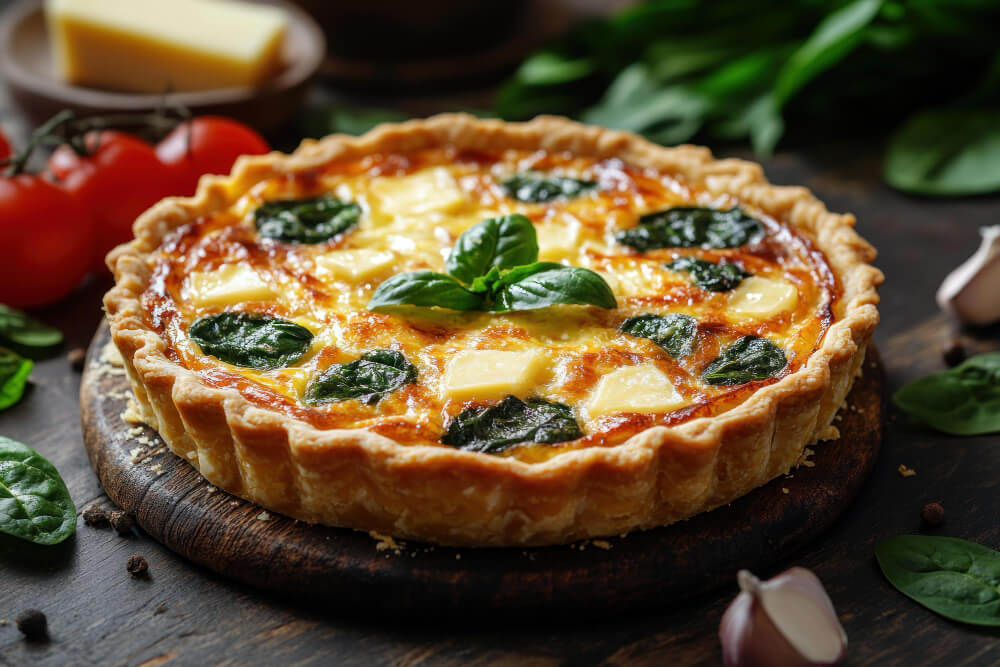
(182, 614)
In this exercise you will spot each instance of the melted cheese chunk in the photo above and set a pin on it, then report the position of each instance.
(356, 265)
(762, 298)
(643, 388)
(558, 241)
(489, 374)
(229, 285)
(427, 191)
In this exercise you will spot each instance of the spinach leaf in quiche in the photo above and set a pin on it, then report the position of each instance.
(674, 332)
(251, 340)
(14, 372)
(964, 400)
(367, 379)
(708, 275)
(692, 227)
(546, 283)
(25, 333)
(424, 288)
(500, 243)
(536, 187)
(35, 504)
(311, 220)
(955, 578)
(749, 358)
(495, 428)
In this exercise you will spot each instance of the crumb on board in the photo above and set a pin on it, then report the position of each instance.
(785, 490)
(602, 544)
(211, 489)
(906, 472)
(458, 556)
(804, 458)
(263, 516)
(132, 413)
(385, 542)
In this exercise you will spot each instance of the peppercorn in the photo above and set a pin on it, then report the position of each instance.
(953, 352)
(933, 514)
(33, 625)
(137, 565)
(122, 521)
(77, 358)
(95, 516)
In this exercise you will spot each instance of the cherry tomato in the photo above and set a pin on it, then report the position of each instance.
(4, 147)
(47, 238)
(120, 179)
(207, 145)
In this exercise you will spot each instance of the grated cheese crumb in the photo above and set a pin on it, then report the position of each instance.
(785, 490)
(384, 542)
(263, 516)
(602, 544)
(906, 472)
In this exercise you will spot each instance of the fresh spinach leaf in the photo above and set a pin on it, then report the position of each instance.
(14, 372)
(367, 379)
(495, 428)
(964, 400)
(708, 275)
(500, 243)
(35, 504)
(534, 187)
(946, 152)
(692, 227)
(749, 358)
(311, 220)
(955, 578)
(546, 283)
(674, 332)
(251, 340)
(25, 332)
(427, 289)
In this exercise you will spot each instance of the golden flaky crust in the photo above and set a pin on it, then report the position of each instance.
(363, 480)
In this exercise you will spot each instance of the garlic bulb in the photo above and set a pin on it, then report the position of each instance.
(972, 291)
(785, 621)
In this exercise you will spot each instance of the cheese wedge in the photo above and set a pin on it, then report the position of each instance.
(228, 286)
(762, 298)
(489, 374)
(157, 46)
(643, 388)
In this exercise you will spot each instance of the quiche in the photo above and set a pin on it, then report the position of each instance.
(482, 333)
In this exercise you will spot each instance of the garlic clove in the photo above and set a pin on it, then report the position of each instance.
(785, 621)
(972, 291)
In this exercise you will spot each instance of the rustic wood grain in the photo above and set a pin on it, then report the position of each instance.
(656, 568)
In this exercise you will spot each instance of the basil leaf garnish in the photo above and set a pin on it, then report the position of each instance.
(692, 227)
(674, 332)
(495, 428)
(534, 187)
(708, 275)
(23, 331)
(35, 504)
(964, 400)
(500, 243)
(251, 340)
(367, 379)
(311, 220)
(424, 288)
(749, 358)
(955, 578)
(14, 372)
(545, 284)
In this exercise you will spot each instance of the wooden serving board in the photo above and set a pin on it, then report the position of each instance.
(660, 567)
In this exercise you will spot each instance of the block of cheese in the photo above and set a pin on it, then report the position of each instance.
(762, 298)
(643, 388)
(229, 285)
(156, 46)
(356, 265)
(426, 191)
(489, 374)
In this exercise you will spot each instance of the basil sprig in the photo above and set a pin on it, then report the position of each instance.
(493, 267)
(749, 358)
(35, 504)
(708, 275)
(955, 578)
(495, 428)
(964, 400)
(367, 379)
(26, 334)
(14, 372)
(692, 227)
(534, 187)
(310, 220)
(674, 332)
(251, 340)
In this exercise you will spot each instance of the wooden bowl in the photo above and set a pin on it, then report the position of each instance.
(26, 66)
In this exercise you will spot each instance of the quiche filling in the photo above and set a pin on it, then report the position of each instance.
(514, 303)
